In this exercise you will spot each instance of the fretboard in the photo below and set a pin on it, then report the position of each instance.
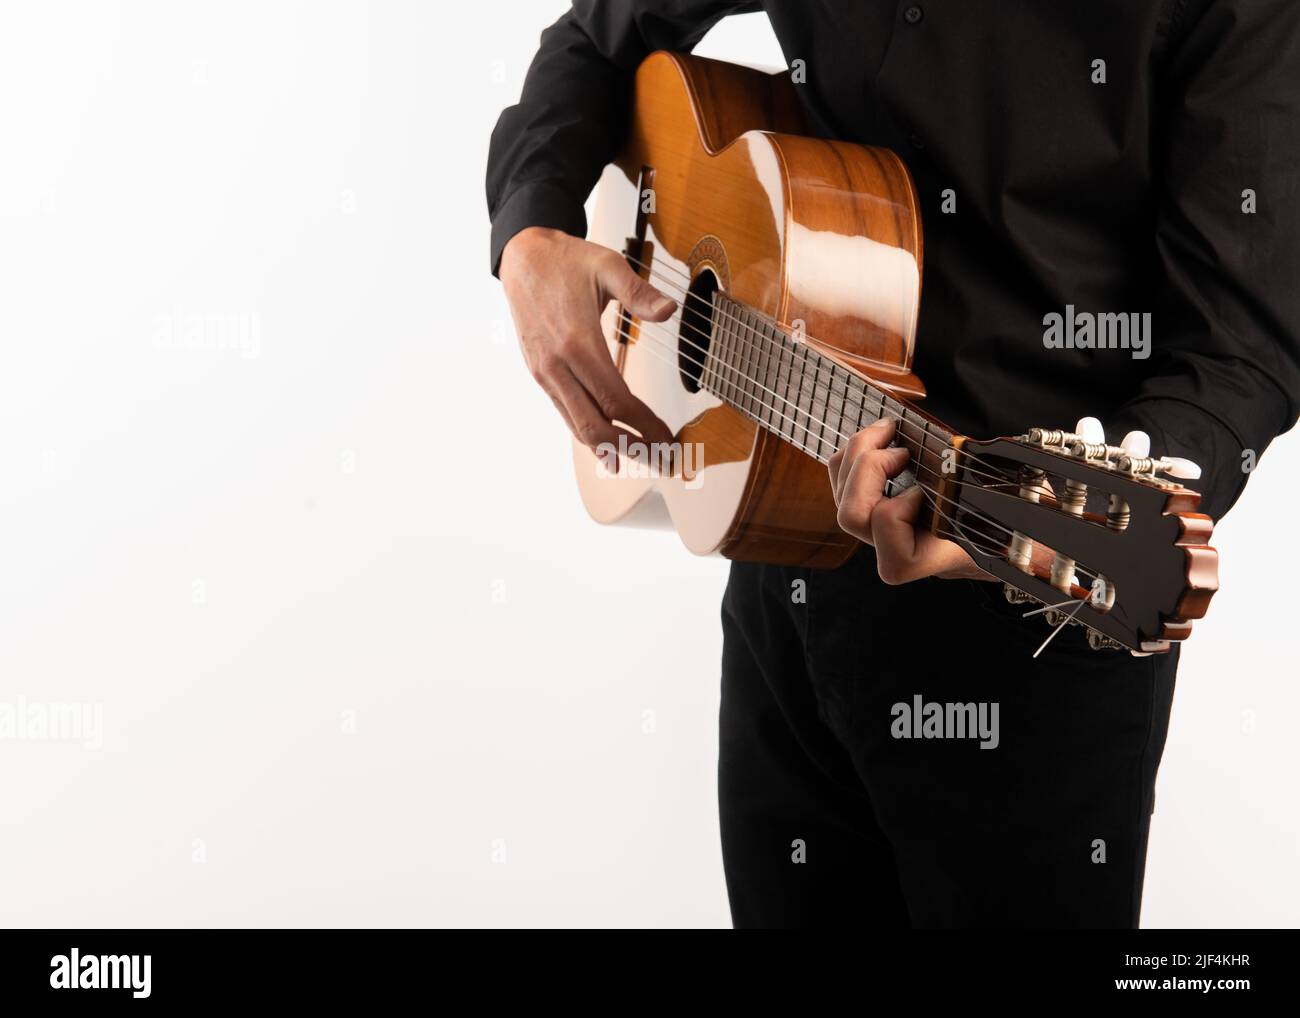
(809, 400)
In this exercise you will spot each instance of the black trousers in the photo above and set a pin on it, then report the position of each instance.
(831, 818)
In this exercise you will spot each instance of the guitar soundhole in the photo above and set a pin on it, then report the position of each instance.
(696, 328)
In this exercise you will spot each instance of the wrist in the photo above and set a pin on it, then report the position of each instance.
(525, 245)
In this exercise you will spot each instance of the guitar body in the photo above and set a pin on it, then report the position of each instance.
(719, 187)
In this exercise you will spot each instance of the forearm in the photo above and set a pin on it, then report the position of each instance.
(548, 150)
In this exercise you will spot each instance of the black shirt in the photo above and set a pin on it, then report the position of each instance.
(1116, 156)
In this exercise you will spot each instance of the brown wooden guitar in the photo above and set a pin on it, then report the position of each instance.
(797, 264)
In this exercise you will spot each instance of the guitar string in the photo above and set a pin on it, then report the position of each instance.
(816, 455)
(656, 340)
(919, 465)
(931, 494)
(959, 531)
(830, 388)
(999, 479)
(879, 400)
(739, 378)
(752, 346)
(653, 267)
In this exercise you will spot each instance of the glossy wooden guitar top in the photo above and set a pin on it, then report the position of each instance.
(820, 235)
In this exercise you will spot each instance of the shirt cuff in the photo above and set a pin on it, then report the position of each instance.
(536, 204)
(1180, 428)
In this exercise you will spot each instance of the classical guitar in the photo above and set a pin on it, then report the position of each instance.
(797, 266)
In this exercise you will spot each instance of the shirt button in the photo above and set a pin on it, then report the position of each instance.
(913, 14)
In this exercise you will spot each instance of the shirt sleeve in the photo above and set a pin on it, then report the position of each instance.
(1225, 365)
(549, 149)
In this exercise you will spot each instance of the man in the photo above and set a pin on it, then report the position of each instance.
(1113, 156)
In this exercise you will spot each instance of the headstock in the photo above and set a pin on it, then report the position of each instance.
(1104, 533)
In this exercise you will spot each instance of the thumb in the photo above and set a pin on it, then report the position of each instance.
(639, 298)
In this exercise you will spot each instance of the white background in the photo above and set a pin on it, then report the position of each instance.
(361, 658)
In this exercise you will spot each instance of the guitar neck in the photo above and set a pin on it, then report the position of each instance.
(815, 403)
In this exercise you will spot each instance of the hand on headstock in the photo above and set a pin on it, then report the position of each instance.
(1090, 531)
(859, 470)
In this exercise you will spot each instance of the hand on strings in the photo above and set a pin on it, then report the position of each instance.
(859, 470)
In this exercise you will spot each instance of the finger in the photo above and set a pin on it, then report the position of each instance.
(850, 449)
(864, 489)
(637, 296)
(903, 553)
(590, 427)
(609, 458)
(611, 396)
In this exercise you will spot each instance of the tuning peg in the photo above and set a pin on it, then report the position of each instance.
(1176, 466)
(1090, 441)
(1090, 430)
(1137, 444)
(1100, 641)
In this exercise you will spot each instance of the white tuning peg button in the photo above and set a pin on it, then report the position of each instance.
(1184, 470)
(1090, 430)
(1137, 444)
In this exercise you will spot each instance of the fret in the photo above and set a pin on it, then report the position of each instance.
(721, 387)
(890, 407)
(835, 414)
(788, 405)
(800, 403)
(773, 342)
(755, 381)
(793, 386)
(780, 378)
(759, 343)
(861, 403)
(828, 431)
(850, 406)
(829, 436)
(925, 460)
(876, 404)
(718, 347)
(710, 355)
(724, 361)
(745, 339)
(815, 415)
(733, 390)
(733, 351)
(801, 429)
(903, 432)
(719, 350)
(744, 350)
(811, 441)
(910, 429)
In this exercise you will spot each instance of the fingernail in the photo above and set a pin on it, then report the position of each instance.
(664, 304)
